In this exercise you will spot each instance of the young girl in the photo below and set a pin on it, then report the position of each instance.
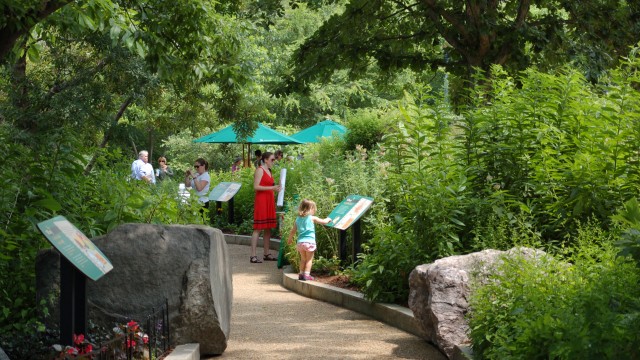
(306, 244)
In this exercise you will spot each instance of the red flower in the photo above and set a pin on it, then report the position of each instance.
(130, 343)
(78, 339)
(88, 349)
(132, 325)
(145, 338)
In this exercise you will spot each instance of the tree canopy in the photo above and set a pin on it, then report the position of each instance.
(462, 35)
(177, 39)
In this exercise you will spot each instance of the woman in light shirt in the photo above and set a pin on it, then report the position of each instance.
(200, 181)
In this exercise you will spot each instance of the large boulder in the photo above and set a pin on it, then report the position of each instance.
(187, 265)
(439, 293)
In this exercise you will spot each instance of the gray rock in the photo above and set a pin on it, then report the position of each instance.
(188, 265)
(439, 293)
(3, 355)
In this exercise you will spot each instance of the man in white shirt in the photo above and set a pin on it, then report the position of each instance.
(141, 169)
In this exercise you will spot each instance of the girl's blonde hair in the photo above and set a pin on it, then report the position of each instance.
(305, 207)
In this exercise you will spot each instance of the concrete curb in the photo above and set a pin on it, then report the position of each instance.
(395, 315)
(185, 352)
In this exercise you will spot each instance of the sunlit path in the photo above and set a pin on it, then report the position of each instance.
(270, 322)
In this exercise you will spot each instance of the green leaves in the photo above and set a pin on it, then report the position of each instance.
(545, 308)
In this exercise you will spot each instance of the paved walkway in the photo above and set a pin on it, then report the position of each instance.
(270, 322)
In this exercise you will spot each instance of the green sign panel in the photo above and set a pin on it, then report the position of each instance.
(76, 247)
(349, 211)
(224, 191)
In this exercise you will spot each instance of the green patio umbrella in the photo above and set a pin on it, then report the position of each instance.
(315, 133)
(262, 135)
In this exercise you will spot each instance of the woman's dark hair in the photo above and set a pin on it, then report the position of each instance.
(266, 155)
(204, 162)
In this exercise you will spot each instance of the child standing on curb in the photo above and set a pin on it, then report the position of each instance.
(306, 243)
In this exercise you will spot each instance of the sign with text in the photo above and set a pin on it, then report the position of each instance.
(224, 191)
(76, 247)
(349, 211)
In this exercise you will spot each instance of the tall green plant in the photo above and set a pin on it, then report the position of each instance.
(545, 308)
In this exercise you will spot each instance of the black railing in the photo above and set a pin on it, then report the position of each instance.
(131, 341)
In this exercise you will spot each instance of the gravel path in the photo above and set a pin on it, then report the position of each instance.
(270, 322)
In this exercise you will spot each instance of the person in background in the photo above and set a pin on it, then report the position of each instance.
(278, 154)
(258, 158)
(237, 164)
(306, 244)
(163, 171)
(199, 181)
(264, 208)
(141, 169)
(278, 164)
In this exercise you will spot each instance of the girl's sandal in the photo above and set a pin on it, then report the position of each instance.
(270, 257)
(254, 260)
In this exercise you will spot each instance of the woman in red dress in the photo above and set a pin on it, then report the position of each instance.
(264, 208)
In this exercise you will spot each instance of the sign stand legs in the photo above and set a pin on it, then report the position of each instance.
(73, 302)
(343, 246)
(357, 240)
(357, 243)
(231, 213)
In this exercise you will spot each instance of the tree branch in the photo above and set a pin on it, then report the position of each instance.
(108, 134)
(19, 26)
(57, 88)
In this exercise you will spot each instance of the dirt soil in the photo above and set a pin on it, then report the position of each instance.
(340, 281)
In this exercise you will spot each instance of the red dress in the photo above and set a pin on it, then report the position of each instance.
(264, 208)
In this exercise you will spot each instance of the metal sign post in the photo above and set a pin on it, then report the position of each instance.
(348, 214)
(343, 246)
(73, 302)
(357, 240)
(79, 259)
(224, 192)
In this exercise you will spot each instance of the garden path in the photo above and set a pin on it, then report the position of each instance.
(270, 322)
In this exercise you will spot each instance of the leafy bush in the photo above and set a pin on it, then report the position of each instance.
(386, 262)
(45, 179)
(551, 309)
(629, 219)
(366, 128)
(328, 177)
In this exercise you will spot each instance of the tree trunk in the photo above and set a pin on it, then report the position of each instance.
(17, 27)
(108, 134)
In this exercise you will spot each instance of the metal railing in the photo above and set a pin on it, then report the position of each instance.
(133, 342)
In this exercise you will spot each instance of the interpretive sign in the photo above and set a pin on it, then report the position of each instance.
(349, 211)
(75, 247)
(224, 191)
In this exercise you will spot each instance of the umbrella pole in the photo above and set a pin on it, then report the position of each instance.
(248, 155)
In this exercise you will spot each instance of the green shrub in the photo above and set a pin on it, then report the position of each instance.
(550, 309)
(366, 128)
(386, 262)
(629, 220)
(37, 187)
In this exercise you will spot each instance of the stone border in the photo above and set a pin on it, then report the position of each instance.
(395, 315)
(185, 352)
